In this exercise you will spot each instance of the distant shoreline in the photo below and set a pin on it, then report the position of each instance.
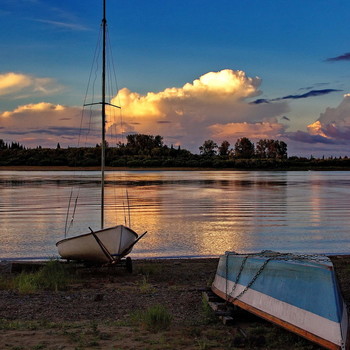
(94, 168)
(109, 168)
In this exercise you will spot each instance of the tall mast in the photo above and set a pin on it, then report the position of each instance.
(103, 103)
(103, 145)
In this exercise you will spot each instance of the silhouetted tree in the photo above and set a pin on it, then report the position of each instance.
(3, 145)
(244, 148)
(281, 150)
(273, 149)
(261, 148)
(143, 144)
(208, 148)
(224, 148)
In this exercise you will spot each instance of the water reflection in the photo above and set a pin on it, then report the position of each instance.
(185, 213)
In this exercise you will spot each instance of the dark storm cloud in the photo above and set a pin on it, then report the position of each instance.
(261, 100)
(57, 131)
(311, 93)
(308, 94)
(305, 137)
(345, 57)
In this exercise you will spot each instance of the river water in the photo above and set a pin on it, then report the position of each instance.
(186, 213)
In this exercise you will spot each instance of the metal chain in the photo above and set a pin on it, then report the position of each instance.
(288, 256)
(232, 299)
(238, 275)
(270, 256)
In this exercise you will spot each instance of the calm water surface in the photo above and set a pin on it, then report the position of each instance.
(186, 213)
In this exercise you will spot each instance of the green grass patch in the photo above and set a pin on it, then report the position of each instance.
(208, 313)
(155, 319)
(145, 286)
(28, 325)
(53, 276)
(149, 269)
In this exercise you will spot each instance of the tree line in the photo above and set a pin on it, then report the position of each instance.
(12, 145)
(142, 150)
(245, 149)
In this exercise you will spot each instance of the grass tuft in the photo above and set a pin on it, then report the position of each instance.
(145, 286)
(208, 313)
(155, 319)
(149, 269)
(53, 276)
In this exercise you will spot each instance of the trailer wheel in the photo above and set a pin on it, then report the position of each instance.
(128, 264)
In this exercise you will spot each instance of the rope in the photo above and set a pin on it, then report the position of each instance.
(90, 86)
(115, 122)
(67, 215)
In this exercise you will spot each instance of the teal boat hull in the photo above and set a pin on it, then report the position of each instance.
(299, 293)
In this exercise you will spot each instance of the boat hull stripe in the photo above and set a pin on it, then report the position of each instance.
(314, 327)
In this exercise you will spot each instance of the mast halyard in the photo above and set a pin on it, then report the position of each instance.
(103, 145)
(103, 111)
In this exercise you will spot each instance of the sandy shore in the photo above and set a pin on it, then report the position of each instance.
(100, 308)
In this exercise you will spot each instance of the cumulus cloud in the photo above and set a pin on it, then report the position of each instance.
(43, 122)
(214, 88)
(334, 123)
(213, 105)
(305, 137)
(332, 127)
(17, 85)
(261, 130)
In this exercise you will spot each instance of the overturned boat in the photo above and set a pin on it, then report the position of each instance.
(297, 292)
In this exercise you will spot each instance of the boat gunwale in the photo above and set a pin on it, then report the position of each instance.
(96, 232)
(323, 264)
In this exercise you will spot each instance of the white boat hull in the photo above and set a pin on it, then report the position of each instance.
(116, 240)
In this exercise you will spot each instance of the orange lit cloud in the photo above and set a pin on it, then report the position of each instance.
(262, 130)
(216, 105)
(42, 121)
(211, 106)
(17, 85)
(332, 127)
(210, 90)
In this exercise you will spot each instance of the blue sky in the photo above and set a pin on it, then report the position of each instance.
(297, 49)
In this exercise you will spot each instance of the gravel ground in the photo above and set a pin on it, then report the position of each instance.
(113, 294)
(95, 310)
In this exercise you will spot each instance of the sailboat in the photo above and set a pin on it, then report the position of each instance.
(107, 245)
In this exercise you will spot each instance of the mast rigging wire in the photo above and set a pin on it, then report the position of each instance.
(112, 81)
(90, 87)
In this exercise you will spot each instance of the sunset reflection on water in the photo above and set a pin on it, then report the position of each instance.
(186, 213)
